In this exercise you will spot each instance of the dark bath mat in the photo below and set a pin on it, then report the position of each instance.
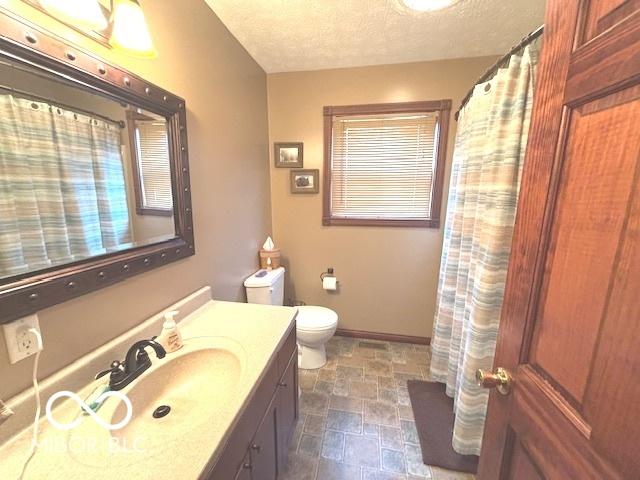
(433, 411)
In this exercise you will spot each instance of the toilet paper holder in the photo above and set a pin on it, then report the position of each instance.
(329, 281)
(328, 273)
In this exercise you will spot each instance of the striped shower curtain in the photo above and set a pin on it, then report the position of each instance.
(62, 188)
(487, 165)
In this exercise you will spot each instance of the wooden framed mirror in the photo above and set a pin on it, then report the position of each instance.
(94, 172)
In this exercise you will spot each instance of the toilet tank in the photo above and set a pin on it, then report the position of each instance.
(266, 287)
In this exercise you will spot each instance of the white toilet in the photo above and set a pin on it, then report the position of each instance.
(315, 325)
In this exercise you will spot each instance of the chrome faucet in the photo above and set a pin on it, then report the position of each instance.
(135, 362)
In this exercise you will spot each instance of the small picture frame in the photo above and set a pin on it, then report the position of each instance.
(305, 181)
(288, 154)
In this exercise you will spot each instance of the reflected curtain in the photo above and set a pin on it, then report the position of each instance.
(485, 179)
(62, 187)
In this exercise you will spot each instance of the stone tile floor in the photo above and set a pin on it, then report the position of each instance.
(355, 419)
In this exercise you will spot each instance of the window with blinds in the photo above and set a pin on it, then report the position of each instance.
(154, 173)
(383, 168)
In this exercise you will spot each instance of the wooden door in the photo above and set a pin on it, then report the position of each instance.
(570, 326)
(263, 447)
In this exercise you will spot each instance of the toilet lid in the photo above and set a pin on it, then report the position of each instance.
(316, 318)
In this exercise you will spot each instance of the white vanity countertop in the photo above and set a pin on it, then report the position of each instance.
(257, 330)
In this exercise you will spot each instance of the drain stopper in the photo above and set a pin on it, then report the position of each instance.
(161, 411)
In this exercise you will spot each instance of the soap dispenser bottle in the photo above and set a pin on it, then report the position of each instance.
(170, 337)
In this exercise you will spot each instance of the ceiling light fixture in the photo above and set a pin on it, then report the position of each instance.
(130, 31)
(428, 5)
(85, 14)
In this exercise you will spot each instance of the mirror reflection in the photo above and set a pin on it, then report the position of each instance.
(81, 175)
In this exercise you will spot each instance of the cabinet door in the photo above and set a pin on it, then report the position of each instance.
(263, 448)
(287, 398)
(245, 470)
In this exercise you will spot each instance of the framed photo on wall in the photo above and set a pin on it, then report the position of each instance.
(305, 181)
(288, 154)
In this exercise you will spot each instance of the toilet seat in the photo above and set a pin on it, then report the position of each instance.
(312, 318)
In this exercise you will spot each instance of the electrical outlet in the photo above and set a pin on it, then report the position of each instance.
(21, 343)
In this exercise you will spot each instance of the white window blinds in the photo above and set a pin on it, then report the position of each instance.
(153, 165)
(383, 166)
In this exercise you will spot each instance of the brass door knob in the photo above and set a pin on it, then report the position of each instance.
(501, 379)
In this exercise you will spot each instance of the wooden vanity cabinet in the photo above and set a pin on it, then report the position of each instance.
(258, 444)
(245, 471)
(264, 451)
(287, 398)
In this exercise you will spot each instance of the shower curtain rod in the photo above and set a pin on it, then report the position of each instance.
(31, 96)
(494, 68)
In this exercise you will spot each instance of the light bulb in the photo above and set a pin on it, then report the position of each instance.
(130, 31)
(428, 5)
(85, 14)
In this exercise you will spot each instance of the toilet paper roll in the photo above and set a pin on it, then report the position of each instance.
(329, 283)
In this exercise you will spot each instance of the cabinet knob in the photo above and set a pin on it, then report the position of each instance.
(282, 384)
(255, 447)
(247, 466)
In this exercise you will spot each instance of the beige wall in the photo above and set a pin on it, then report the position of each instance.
(225, 93)
(388, 276)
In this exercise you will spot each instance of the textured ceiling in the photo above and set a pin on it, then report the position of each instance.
(292, 35)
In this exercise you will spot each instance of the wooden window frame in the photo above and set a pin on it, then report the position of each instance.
(141, 209)
(443, 107)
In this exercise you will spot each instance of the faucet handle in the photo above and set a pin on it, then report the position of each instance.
(116, 366)
(142, 356)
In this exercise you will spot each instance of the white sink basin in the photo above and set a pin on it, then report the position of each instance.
(193, 385)
(195, 382)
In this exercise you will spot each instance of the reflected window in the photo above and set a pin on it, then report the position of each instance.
(151, 169)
